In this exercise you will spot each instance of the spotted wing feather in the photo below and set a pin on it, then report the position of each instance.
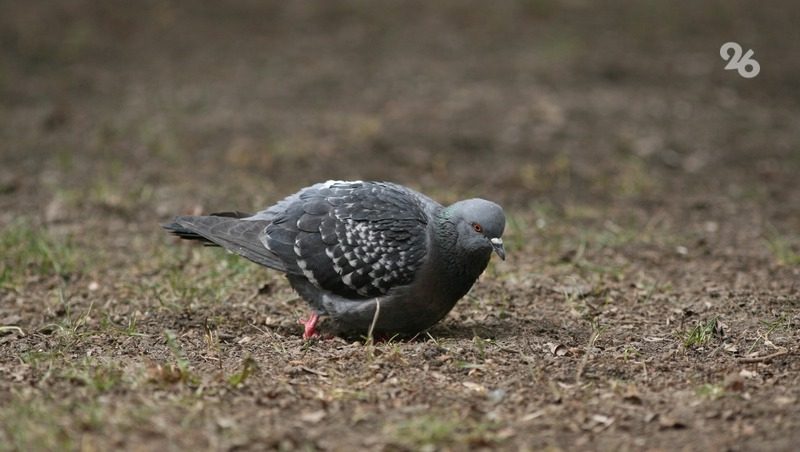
(357, 240)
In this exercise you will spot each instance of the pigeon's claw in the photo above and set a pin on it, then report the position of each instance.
(310, 326)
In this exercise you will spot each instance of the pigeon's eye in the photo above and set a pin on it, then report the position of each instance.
(477, 227)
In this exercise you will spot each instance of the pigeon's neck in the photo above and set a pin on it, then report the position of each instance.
(447, 275)
(458, 269)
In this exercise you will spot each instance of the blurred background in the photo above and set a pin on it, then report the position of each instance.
(148, 108)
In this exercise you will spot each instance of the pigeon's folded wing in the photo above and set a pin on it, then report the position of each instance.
(356, 240)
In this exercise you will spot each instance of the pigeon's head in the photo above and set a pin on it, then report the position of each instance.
(480, 224)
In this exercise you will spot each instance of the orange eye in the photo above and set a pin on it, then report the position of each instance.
(477, 227)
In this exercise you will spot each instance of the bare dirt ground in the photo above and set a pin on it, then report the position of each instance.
(650, 299)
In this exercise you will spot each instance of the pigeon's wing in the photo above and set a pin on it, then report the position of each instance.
(354, 239)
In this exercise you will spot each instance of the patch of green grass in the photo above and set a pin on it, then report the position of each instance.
(480, 346)
(348, 394)
(630, 178)
(779, 324)
(177, 351)
(711, 391)
(178, 371)
(99, 376)
(112, 190)
(249, 366)
(129, 328)
(701, 333)
(785, 249)
(630, 353)
(381, 350)
(428, 431)
(203, 274)
(37, 420)
(41, 363)
(27, 250)
(34, 424)
(622, 231)
(597, 330)
(516, 232)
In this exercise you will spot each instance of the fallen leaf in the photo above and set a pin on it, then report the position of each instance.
(532, 416)
(577, 290)
(734, 382)
(669, 422)
(226, 422)
(504, 434)
(631, 395)
(497, 395)
(557, 349)
(313, 371)
(720, 328)
(603, 419)
(746, 373)
(313, 417)
(266, 289)
(474, 386)
(598, 422)
(676, 418)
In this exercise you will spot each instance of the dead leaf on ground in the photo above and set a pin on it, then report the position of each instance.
(670, 422)
(557, 349)
(747, 373)
(734, 382)
(631, 395)
(313, 417)
(474, 387)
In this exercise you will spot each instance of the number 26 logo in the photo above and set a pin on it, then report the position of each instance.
(745, 65)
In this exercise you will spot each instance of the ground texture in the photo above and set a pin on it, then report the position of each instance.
(651, 298)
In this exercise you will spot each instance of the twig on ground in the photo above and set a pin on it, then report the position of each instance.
(374, 319)
(313, 371)
(3, 329)
(763, 359)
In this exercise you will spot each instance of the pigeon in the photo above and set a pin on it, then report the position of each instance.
(369, 257)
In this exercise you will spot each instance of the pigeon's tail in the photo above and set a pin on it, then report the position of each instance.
(230, 231)
(186, 232)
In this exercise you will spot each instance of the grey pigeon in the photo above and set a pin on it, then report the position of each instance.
(353, 248)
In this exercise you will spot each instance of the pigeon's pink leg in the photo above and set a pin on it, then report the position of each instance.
(310, 325)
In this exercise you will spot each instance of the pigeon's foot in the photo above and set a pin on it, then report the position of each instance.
(310, 326)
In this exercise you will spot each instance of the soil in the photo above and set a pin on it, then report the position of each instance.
(651, 295)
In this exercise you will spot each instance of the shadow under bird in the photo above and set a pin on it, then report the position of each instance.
(370, 256)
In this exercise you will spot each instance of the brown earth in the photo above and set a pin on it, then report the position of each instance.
(650, 299)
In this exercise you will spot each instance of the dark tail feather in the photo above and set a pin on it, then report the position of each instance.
(227, 230)
(187, 234)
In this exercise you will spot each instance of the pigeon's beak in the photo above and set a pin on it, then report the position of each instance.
(497, 244)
